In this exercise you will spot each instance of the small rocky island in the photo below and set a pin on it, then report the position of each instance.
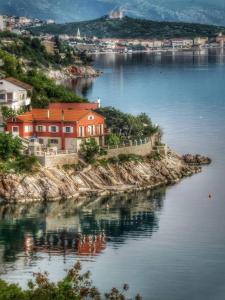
(54, 184)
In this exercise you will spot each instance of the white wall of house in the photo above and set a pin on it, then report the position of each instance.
(2, 23)
(12, 95)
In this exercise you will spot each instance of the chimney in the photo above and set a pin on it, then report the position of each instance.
(98, 101)
(62, 115)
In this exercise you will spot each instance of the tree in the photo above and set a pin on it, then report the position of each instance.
(74, 286)
(89, 150)
(113, 139)
(10, 147)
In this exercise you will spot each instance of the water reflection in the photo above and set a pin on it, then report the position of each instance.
(116, 63)
(61, 229)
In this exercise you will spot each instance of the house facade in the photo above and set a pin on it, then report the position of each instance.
(14, 93)
(61, 128)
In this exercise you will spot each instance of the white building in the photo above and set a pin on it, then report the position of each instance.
(14, 93)
(182, 43)
(2, 23)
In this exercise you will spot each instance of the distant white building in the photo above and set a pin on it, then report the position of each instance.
(116, 14)
(2, 23)
(49, 21)
(182, 43)
(14, 93)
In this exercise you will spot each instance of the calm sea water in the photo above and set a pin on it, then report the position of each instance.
(168, 244)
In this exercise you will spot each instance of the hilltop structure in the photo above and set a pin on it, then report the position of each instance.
(116, 14)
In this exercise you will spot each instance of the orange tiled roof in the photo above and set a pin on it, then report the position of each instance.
(53, 115)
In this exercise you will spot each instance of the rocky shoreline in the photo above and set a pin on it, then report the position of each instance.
(57, 184)
(73, 72)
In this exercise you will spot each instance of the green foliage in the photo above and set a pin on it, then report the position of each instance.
(8, 112)
(10, 146)
(154, 156)
(113, 139)
(46, 90)
(74, 286)
(34, 52)
(130, 157)
(11, 64)
(11, 159)
(132, 28)
(89, 149)
(126, 126)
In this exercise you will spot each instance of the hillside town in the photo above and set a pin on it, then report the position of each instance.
(93, 44)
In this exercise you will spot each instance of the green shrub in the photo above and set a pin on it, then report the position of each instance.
(89, 149)
(154, 156)
(113, 139)
(74, 286)
(130, 157)
(10, 147)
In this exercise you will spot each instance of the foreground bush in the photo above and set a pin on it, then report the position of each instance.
(11, 159)
(74, 286)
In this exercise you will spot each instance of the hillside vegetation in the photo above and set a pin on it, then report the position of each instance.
(131, 28)
(26, 60)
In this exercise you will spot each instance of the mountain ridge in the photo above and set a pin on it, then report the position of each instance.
(131, 28)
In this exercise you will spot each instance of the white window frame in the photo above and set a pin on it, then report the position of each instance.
(28, 128)
(91, 130)
(70, 129)
(43, 128)
(53, 126)
(81, 131)
(17, 129)
(90, 117)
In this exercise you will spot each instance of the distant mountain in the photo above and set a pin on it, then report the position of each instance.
(130, 28)
(201, 11)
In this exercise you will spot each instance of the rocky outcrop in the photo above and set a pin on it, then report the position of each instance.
(196, 159)
(58, 183)
(73, 72)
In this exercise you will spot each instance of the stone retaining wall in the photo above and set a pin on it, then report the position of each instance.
(51, 161)
(140, 149)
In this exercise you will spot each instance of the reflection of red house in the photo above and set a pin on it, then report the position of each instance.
(65, 243)
(91, 245)
(62, 126)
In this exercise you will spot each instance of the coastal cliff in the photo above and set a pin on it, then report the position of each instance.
(52, 184)
(72, 72)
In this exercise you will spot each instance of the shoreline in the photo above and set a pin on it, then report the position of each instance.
(57, 184)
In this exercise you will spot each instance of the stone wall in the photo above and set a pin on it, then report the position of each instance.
(50, 161)
(142, 148)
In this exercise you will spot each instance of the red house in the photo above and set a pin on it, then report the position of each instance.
(64, 128)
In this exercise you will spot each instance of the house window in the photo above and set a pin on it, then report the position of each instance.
(41, 141)
(2, 97)
(9, 96)
(91, 117)
(91, 129)
(53, 129)
(68, 129)
(53, 141)
(40, 128)
(15, 129)
(81, 131)
(28, 128)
